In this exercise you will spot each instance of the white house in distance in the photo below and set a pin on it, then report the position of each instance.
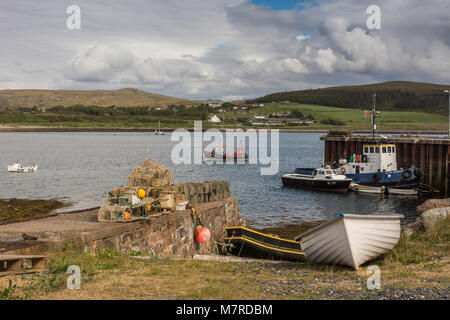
(260, 116)
(214, 118)
(215, 104)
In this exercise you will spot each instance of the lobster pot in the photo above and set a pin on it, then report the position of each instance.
(118, 192)
(167, 201)
(148, 177)
(140, 180)
(112, 213)
(125, 199)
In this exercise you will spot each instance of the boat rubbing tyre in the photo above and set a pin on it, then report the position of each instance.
(407, 173)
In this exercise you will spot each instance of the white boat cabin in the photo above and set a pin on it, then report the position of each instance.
(328, 173)
(374, 158)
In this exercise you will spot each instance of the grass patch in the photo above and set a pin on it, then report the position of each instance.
(416, 262)
(10, 293)
(421, 247)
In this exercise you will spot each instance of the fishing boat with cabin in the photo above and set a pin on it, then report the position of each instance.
(375, 165)
(221, 153)
(321, 179)
(17, 167)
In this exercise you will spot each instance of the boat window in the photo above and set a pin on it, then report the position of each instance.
(321, 172)
(362, 168)
(383, 149)
(371, 149)
(393, 149)
(366, 149)
(329, 172)
(389, 149)
(377, 149)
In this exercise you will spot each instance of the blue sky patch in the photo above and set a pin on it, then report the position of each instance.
(286, 4)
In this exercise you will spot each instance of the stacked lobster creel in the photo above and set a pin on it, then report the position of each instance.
(148, 191)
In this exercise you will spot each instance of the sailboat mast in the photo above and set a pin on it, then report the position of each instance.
(374, 126)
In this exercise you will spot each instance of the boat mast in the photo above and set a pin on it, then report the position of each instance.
(374, 126)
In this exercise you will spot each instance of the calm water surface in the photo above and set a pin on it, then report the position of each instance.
(82, 167)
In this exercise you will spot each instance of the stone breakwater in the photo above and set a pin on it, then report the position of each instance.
(170, 235)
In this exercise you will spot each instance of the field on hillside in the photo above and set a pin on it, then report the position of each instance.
(341, 118)
(354, 119)
(391, 95)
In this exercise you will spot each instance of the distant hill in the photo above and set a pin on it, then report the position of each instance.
(393, 95)
(43, 99)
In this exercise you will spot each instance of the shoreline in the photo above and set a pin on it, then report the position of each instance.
(4, 128)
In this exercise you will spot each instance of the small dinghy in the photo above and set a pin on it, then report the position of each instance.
(350, 239)
(365, 189)
(382, 190)
(253, 244)
(401, 191)
(16, 167)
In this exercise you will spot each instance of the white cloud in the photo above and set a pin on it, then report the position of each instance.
(325, 60)
(221, 48)
(301, 37)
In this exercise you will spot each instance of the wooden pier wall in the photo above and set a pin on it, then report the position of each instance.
(431, 155)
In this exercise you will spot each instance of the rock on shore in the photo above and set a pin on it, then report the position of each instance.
(431, 217)
(432, 204)
(430, 212)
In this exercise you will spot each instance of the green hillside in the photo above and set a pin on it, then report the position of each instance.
(43, 99)
(393, 95)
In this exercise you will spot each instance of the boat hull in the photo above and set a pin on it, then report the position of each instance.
(339, 186)
(382, 190)
(253, 244)
(376, 179)
(224, 156)
(351, 240)
(22, 169)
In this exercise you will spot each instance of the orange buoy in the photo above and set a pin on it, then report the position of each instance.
(202, 234)
(126, 215)
(140, 193)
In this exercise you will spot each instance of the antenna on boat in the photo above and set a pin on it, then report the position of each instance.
(374, 126)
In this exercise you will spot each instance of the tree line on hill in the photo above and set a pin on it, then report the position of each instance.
(395, 99)
(181, 111)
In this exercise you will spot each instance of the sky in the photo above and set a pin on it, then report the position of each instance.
(225, 49)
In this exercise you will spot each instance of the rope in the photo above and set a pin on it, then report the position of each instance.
(427, 186)
(195, 217)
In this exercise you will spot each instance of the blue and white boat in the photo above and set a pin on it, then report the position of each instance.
(375, 166)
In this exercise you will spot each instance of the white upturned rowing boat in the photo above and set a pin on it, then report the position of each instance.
(16, 167)
(365, 189)
(350, 239)
(406, 192)
(379, 190)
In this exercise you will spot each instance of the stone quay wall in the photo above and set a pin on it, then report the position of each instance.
(168, 235)
(172, 235)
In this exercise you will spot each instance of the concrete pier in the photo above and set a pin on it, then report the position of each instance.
(431, 155)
